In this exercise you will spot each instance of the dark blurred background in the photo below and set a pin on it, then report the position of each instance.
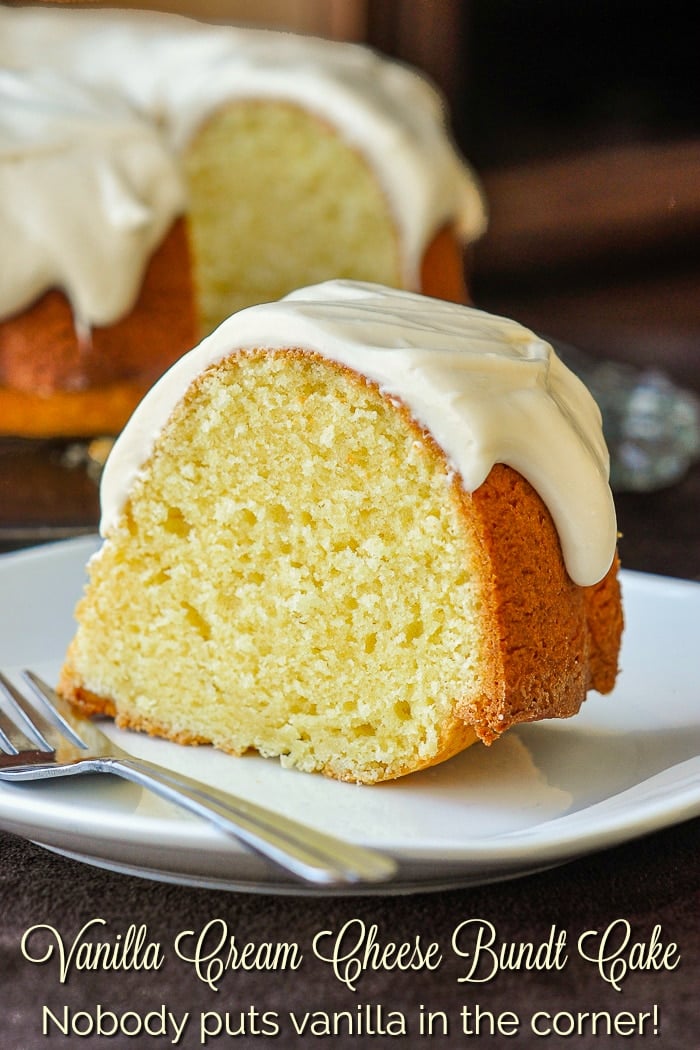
(552, 78)
(583, 121)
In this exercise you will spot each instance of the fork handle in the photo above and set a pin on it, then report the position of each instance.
(312, 855)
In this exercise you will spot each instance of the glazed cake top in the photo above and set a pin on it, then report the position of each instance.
(96, 106)
(487, 390)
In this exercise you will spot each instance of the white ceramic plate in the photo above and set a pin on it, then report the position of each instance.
(626, 765)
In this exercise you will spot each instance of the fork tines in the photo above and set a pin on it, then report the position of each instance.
(20, 729)
(54, 708)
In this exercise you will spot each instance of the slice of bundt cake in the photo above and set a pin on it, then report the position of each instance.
(358, 529)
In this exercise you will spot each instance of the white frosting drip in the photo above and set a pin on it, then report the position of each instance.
(87, 192)
(487, 389)
(159, 76)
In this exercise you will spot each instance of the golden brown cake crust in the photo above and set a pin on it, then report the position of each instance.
(551, 640)
(443, 268)
(51, 386)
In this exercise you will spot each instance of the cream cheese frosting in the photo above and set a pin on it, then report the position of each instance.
(155, 78)
(487, 389)
(87, 192)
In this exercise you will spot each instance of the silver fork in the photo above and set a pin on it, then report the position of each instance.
(46, 739)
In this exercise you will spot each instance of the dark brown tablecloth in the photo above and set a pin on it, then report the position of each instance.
(646, 892)
(651, 882)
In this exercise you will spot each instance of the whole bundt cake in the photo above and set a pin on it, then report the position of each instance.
(157, 174)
